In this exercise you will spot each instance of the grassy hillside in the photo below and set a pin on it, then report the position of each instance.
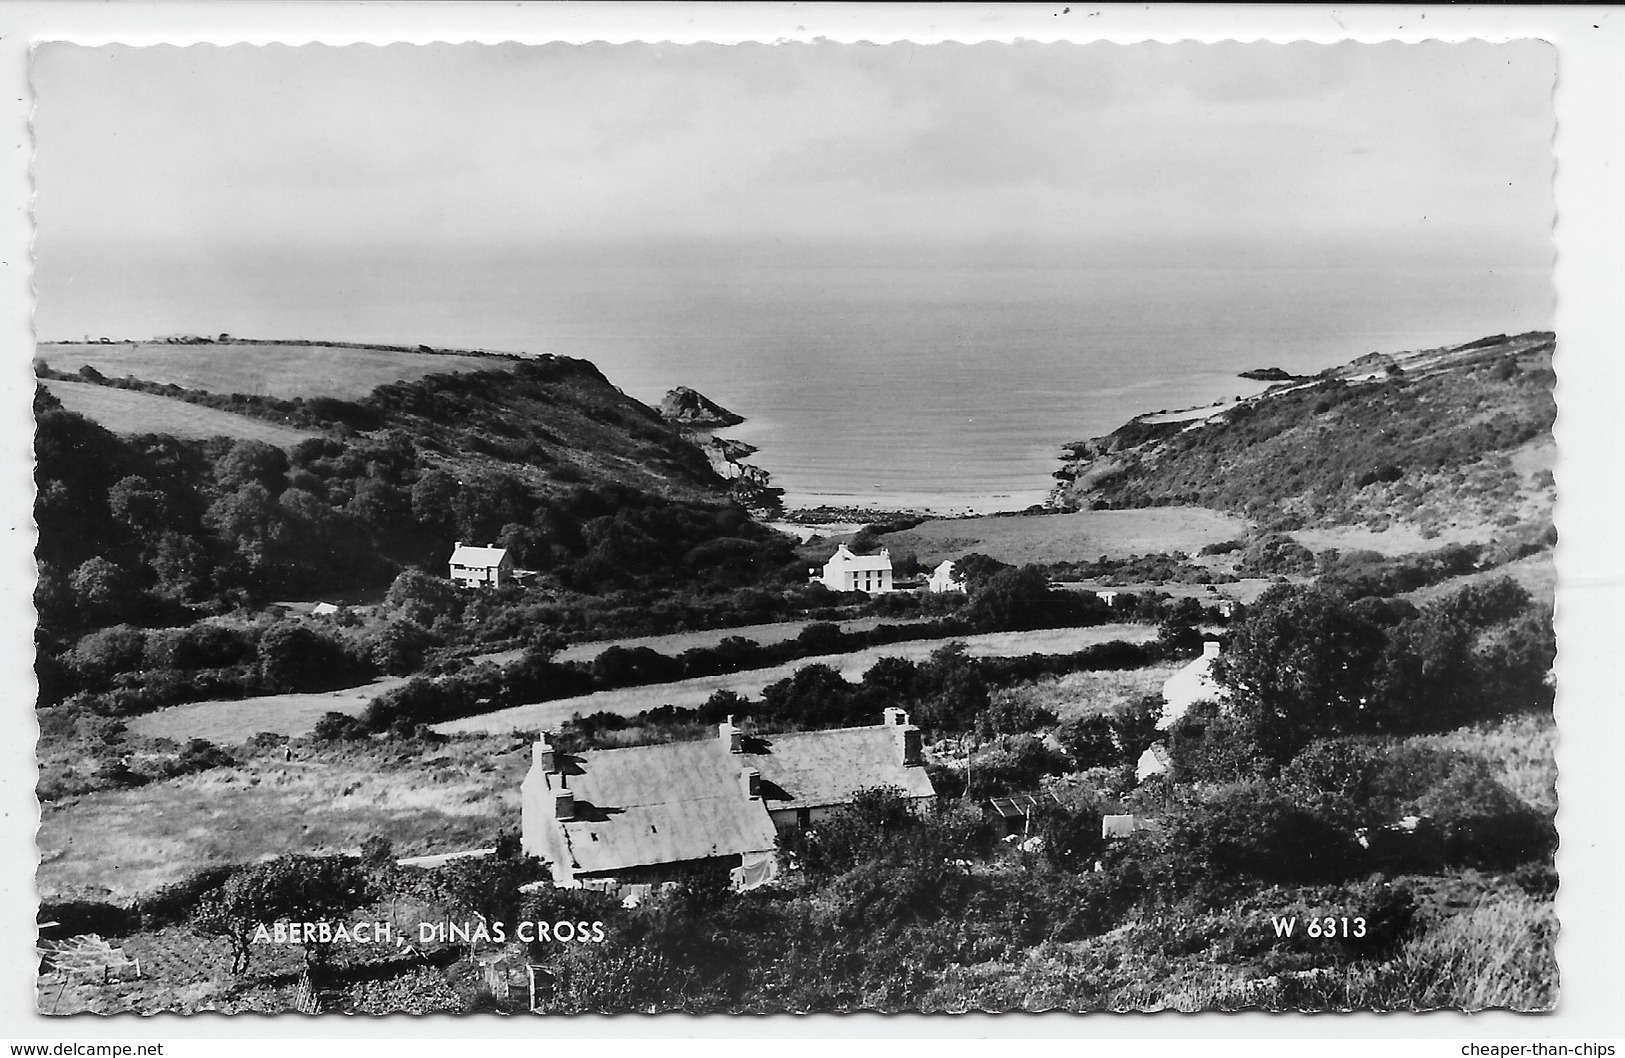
(199, 506)
(275, 369)
(1077, 536)
(129, 412)
(1436, 439)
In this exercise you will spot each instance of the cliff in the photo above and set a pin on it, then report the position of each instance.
(1457, 436)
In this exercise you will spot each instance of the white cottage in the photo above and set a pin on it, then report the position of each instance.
(846, 571)
(480, 567)
(1191, 684)
(943, 578)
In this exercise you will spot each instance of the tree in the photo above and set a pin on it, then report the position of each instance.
(434, 496)
(133, 501)
(815, 696)
(399, 646)
(1247, 833)
(297, 888)
(100, 656)
(296, 657)
(976, 569)
(1424, 679)
(103, 588)
(1012, 599)
(1069, 836)
(1090, 740)
(181, 566)
(250, 462)
(423, 598)
(1301, 666)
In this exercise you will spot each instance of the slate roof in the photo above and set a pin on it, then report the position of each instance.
(846, 559)
(661, 804)
(478, 557)
(810, 769)
(646, 805)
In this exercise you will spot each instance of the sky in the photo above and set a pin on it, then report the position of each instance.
(173, 167)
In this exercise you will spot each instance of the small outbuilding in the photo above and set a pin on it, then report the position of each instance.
(943, 578)
(1154, 761)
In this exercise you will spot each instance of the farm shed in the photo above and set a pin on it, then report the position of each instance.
(1013, 815)
(943, 578)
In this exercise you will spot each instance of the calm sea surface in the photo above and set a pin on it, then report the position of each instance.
(949, 387)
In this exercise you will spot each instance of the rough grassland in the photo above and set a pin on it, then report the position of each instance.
(229, 721)
(128, 842)
(127, 411)
(261, 368)
(1537, 574)
(1089, 693)
(1081, 536)
(693, 693)
(1524, 748)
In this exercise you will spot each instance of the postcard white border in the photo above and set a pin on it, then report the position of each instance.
(1591, 432)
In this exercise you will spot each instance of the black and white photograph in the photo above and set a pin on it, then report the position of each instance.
(809, 527)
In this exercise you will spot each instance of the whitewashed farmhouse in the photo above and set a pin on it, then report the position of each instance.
(846, 571)
(647, 813)
(1191, 684)
(943, 578)
(481, 567)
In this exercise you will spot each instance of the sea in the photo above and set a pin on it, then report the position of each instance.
(945, 387)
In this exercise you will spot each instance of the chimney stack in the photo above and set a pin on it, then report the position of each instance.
(542, 757)
(564, 802)
(910, 744)
(750, 782)
(732, 735)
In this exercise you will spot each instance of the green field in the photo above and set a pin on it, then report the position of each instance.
(272, 369)
(230, 721)
(1082, 536)
(127, 411)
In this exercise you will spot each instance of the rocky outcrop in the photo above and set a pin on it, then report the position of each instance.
(687, 407)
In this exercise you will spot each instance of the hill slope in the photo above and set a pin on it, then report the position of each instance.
(542, 454)
(1457, 437)
(287, 369)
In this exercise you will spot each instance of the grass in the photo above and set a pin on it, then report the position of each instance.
(1524, 748)
(1497, 952)
(1246, 590)
(130, 412)
(1397, 539)
(122, 843)
(260, 368)
(1088, 693)
(1537, 574)
(229, 721)
(1084, 535)
(692, 693)
(765, 634)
